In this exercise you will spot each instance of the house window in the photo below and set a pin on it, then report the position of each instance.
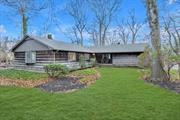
(30, 57)
(72, 56)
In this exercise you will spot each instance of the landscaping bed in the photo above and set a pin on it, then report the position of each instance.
(65, 84)
(21, 78)
(73, 81)
(171, 85)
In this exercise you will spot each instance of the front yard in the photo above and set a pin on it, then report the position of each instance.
(23, 75)
(118, 95)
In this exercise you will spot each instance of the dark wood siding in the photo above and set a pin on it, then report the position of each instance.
(19, 57)
(61, 56)
(44, 56)
(50, 55)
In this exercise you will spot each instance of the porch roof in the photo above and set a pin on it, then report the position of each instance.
(120, 48)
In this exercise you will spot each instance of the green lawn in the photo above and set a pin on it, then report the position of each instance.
(21, 74)
(118, 95)
(88, 71)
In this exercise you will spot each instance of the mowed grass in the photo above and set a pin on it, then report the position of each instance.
(22, 75)
(89, 71)
(118, 95)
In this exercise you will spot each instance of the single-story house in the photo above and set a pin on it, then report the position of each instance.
(34, 51)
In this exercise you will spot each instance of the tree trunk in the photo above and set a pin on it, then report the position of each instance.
(157, 71)
(179, 70)
(100, 34)
(81, 35)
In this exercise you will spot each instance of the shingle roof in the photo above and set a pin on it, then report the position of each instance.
(59, 45)
(120, 48)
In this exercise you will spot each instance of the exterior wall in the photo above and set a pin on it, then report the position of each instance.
(43, 56)
(48, 56)
(125, 59)
(19, 57)
(61, 56)
(31, 45)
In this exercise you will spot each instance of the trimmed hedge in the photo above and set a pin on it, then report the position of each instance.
(56, 70)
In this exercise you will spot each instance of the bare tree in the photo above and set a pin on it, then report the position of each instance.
(6, 44)
(157, 72)
(93, 33)
(25, 8)
(104, 11)
(129, 28)
(173, 35)
(123, 32)
(134, 26)
(113, 37)
(77, 10)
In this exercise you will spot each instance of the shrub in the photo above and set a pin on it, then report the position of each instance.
(82, 62)
(144, 59)
(56, 70)
(145, 74)
(93, 62)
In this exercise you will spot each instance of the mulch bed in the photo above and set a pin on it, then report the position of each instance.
(65, 84)
(171, 85)
(69, 83)
(22, 83)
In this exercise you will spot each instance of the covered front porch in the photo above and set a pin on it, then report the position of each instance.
(104, 58)
(37, 59)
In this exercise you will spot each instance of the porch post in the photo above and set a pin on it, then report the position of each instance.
(54, 56)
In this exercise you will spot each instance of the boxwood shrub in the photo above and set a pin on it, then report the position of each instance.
(56, 70)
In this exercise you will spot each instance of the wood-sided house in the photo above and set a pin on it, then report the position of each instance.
(35, 52)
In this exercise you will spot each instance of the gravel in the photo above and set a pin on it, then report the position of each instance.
(62, 85)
